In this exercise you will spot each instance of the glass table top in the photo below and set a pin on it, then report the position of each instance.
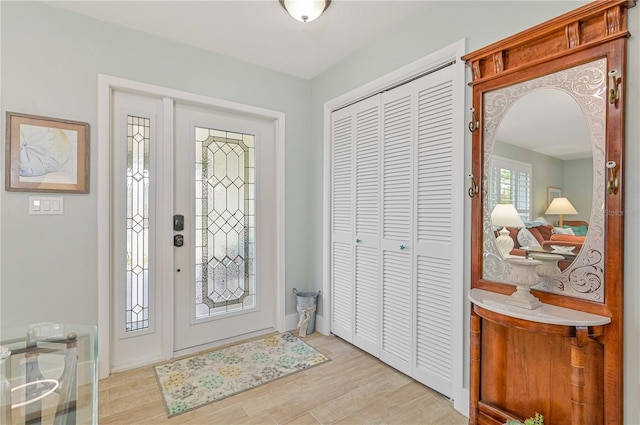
(48, 374)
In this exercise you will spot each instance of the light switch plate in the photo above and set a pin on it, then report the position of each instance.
(42, 205)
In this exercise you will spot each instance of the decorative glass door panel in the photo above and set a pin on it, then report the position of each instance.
(137, 268)
(224, 222)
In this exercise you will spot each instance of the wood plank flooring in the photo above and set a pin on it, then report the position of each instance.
(353, 388)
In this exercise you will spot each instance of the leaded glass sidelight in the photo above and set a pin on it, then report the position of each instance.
(225, 222)
(137, 269)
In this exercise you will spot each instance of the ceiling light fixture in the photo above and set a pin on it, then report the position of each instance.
(305, 10)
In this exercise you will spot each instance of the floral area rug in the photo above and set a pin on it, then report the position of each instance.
(195, 381)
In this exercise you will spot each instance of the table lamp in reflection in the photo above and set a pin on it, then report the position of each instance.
(505, 215)
(560, 207)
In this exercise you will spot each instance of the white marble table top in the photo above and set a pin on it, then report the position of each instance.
(549, 314)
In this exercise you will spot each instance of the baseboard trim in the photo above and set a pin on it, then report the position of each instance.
(134, 365)
(462, 403)
(291, 321)
(322, 326)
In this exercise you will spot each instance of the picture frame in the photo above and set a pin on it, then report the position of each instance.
(553, 193)
(45, 154)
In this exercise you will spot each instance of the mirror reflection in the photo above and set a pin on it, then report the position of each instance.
(543, 147)
(542, 168)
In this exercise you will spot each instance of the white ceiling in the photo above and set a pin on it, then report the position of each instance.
(259, 31)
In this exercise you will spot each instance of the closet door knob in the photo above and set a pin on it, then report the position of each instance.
(402, 247)
(358, 240)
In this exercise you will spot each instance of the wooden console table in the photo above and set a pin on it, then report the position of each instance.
(520, 358)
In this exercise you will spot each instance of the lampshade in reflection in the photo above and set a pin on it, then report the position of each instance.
(560, 206)
(505, 215)
(305, 10)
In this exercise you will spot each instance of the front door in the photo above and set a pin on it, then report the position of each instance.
(224, 183)
(194, 258)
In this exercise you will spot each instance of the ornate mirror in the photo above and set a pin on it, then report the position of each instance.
(548, 141)
(549, 132)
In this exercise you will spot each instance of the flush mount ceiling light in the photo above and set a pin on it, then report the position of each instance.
(305, 10)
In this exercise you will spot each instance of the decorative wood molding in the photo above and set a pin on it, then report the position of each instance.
(612, 18)
(577, 375)
(573, 35)
(498, 61)
(587, 26)
(476, 69)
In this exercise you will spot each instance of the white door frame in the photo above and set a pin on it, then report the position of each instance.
(106, 85)
(408, 72)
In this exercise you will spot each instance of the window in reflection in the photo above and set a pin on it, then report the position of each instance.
(510, 183)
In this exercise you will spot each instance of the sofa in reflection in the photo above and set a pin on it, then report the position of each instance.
(547, 238)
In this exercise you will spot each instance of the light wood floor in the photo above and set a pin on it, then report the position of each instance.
(353, 388)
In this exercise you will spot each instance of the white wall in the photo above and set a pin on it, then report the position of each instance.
(482, 23)
(578, 175)
(50, 62)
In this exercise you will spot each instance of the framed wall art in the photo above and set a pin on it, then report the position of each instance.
(553, 193)
(46, 154)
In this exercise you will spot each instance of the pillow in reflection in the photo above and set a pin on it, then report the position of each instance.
(561, 231)
(536, 223)
(578, 230)
(526, 238)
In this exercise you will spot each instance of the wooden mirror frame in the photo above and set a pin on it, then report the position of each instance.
(596, 30)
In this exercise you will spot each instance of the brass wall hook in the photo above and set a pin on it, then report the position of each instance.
(612, 184)
(614, 88)
(473, 189)
(473, 123)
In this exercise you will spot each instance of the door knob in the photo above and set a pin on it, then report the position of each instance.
(178, 241)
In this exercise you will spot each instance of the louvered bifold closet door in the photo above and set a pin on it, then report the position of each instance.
(342, 228)
(397, 217)
(367, 220)
(439, 206)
